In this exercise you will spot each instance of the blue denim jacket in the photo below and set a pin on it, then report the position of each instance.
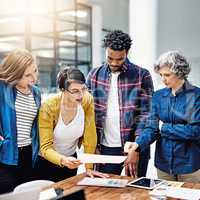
(8, 129)
(178, 141)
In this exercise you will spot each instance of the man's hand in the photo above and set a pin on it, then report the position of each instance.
(70, 162)
(131, 163)
(132, 159)
(92, 174)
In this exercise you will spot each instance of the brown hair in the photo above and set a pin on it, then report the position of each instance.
(14, 65)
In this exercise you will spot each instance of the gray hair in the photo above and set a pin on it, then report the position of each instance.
(177, 63)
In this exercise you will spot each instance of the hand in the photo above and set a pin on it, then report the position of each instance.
(97, 151)
(131, 163)
(128, 146)
(92, 174)
(1, 138)
(70, 162)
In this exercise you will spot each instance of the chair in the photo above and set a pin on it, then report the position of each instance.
(37, 185)
(76, 195)
(31, 194)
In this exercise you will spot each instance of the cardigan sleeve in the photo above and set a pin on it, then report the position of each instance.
(89, 137)
(46, 126)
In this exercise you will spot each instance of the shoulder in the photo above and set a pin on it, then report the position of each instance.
(137, 70)
(87, 100)
(196, 89)
(96, 70)
(142, 71)
(51, 102)
(161, 92)
(3, 84)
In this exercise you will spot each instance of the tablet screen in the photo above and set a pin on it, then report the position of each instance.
(146, 182)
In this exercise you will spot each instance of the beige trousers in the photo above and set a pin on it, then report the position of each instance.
(191, 177)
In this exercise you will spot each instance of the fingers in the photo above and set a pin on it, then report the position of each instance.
(130, 170)
(92, 174)
(70, 162)
(126, 170)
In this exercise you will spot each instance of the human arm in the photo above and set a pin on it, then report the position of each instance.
(189, 130)
(88, 80)
(90, 135)
(47, 117)
(132, 159)
(144, 102)
(148, 136)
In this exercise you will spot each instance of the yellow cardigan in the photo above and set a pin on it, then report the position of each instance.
(48, 118)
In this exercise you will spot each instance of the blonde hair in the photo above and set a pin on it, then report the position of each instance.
(14, 65)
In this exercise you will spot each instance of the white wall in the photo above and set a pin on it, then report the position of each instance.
(179, 28)
(107, 14)
(143, 31)
(114, 12)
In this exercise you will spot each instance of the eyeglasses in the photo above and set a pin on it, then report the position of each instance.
(77, 92)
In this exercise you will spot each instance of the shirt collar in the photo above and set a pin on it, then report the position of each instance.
(185, 87)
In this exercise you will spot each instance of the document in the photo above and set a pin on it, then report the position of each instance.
(175, 192)
(105, 182)
(95, 158)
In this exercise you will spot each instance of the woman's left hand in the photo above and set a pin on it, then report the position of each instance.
(91, 173)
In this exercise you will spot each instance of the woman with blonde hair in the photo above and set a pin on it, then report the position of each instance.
(20, 101)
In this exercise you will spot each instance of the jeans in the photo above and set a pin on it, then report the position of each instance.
(50, 171)
(11, 175)
(117, 168)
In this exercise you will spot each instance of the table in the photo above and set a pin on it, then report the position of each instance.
(105, 193)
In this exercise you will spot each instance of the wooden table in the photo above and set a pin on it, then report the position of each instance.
(105, 193)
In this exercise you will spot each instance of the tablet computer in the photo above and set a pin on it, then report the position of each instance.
(146, 183)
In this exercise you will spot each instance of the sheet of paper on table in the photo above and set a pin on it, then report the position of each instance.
(95, 158)
(174, 183)
(105, 182)
(175, 192)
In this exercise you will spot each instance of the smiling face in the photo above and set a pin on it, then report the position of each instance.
(115, 59)
(29, 77)
(170, 79)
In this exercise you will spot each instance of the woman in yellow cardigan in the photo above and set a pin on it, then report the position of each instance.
(66, 120)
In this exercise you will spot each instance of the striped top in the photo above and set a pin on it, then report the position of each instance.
(26, 111)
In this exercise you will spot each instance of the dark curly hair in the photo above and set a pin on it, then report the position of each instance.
(117, 40)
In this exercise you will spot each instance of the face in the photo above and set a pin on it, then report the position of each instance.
(76, 91)
(29, 77)
(115, 59)
(170, 79)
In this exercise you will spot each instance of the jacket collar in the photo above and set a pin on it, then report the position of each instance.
(185, 88)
